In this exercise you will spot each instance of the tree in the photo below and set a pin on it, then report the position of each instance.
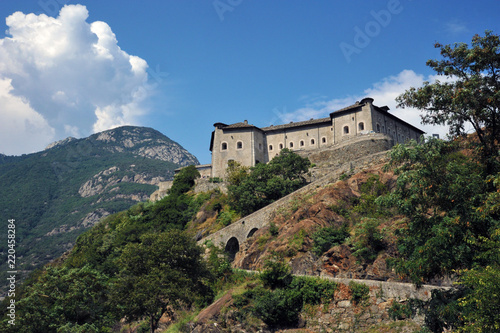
(438, 190)
(184, 180)
(267, 183)
(472, 94)
(481, 306)
(66, 300)
(162, 273)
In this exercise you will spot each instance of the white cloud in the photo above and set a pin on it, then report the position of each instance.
(17, 120)
(71, 74)
(456, 27)
(383, 92)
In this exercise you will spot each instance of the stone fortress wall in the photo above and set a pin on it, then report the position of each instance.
(249, 145)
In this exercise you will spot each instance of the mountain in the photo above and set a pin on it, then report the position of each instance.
(56, 194)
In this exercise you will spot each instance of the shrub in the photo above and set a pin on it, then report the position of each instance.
(273, 229)
(367, 241)
(314, 290)
(360, 292)
(279, 307)
(326, 238)
(276, 275)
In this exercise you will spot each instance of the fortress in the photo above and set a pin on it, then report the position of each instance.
(249, 145)
(341, 132)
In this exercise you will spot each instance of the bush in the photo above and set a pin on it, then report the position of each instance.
(325, 238)
(360, 292)
(279, 307)
(314, 290)
(273, 229)
(367, 241)
(276, 275)
(407, 310)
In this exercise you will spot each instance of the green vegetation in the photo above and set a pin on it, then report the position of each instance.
(41, 190)
(367, 240)
(281, 297)
(325, 238)
(471, 97)
(162, 273)
(360, 292)
(449, 192)
(133, 264)
(265, 183)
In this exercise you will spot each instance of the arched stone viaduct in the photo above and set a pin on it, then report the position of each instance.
(231, 237)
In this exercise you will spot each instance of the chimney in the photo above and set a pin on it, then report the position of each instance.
(245, 122)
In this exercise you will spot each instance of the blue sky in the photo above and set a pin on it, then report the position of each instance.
(180, 66)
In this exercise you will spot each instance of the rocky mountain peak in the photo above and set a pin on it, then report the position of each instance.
(144, 142)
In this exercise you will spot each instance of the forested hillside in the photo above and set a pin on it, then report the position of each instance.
(56, 194)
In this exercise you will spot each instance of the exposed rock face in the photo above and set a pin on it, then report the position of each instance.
(60, 142)
(309, 213)
(145, 142)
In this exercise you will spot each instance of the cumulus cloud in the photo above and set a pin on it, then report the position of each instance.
(383, 92)
(70, 74)
(17, 120)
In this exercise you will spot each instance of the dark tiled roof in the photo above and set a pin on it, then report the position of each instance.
(347, 108)
(297, 124)
(239, 125)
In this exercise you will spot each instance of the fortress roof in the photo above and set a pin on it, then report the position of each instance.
(296, 124)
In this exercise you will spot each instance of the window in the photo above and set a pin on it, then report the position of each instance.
(313, 142)
(260, 146)
(281, 146)
(224, 146)
(239, 145)
(270, 147)
(291, 144)
(378, 128)
(302, 143)
(346, 129)
(323, 140)
(361, 126)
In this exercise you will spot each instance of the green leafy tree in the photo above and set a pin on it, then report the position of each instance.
(65, 300)
(481, 306)
(236, 173)
(367, 240)
(269, 182)
(277, 273)
(163, 272)
(471, 96)
(184, 180)
(438, 190)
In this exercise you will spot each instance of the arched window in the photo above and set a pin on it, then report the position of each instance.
(346, 129)
(323, 139)
(302, 143)
(361, 126)
(281, 146)
(313, 142)
(291, 144)
(239, 145)
(378, 128)
(270, 147)
(224, 146)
